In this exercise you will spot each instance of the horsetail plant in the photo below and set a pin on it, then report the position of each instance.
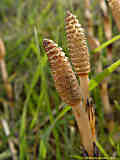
(80, 60)
(69, 90)
(67, 84)
(115, 7)
(78, 51)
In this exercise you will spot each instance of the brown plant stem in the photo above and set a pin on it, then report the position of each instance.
(7, 85)
(106, 103)
(85, 130)
(80, 58)
(84, 81)
(115, 7)
(107, 27)
(88, 16)
(69, 90)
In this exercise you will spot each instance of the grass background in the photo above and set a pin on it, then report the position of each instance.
(23, 25)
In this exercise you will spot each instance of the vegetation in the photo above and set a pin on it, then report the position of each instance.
(34, 122)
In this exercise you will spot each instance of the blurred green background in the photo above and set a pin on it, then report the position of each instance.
(40, 128)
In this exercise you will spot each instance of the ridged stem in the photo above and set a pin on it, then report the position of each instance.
(115, 7)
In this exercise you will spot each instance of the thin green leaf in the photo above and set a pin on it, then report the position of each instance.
(43, 150)
(101, 76)
(62, 113)
(106, 44)
(102, 150)
(23, 119)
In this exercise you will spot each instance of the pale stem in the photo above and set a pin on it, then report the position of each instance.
(10, 142)
(84, 80)
(84, 127)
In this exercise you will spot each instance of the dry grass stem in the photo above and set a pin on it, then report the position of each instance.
(106, 19)
(106, 104)
(10, 142)
(115, 7)
(10, 97)
(69, 90)
(7, 85)
(107, 27)
(93, 42)
(88, 16)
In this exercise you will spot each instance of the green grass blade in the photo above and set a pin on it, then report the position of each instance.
(102, 150)
(43, 150)
(62, 113)
(106, 44)
(23, 120)
(5, 155)
(101, 76)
